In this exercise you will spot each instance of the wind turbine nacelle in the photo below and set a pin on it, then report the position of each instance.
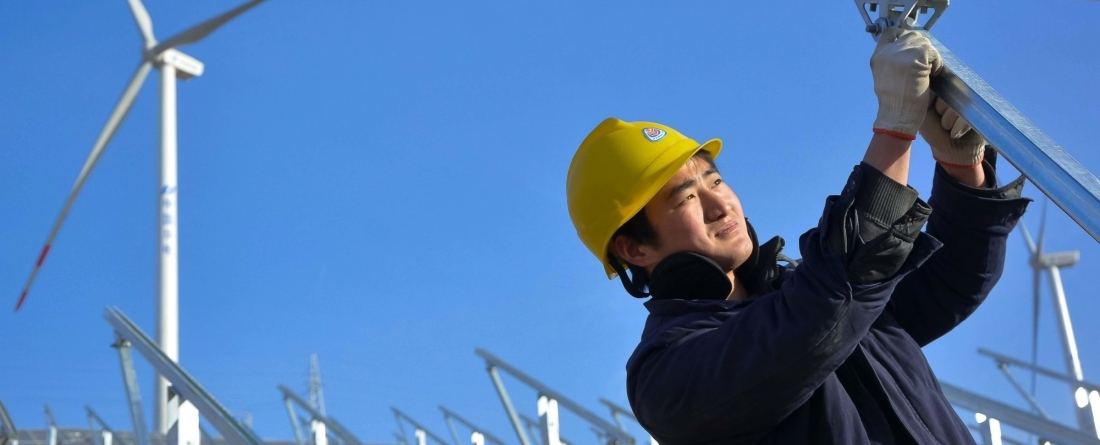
(185, 65)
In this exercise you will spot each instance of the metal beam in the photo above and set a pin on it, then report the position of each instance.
(565, 402)
(182, 382)
(337, 429)
(448, 414)
(1057, 174)
(1011, 415)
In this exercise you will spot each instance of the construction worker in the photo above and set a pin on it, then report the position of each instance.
(741, 349)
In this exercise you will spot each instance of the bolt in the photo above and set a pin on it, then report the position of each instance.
(874, 28)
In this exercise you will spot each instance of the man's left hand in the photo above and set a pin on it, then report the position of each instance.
(954, 142)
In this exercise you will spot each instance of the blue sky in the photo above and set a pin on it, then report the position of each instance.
(383, 184)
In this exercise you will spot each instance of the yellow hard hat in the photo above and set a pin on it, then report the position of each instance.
(618, 168)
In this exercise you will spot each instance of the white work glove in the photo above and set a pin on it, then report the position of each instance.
(951, 137)
(901, 65)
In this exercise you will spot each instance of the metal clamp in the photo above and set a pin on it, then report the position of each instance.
(900, 13)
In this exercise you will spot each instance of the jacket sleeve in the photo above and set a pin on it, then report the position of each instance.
(973, 224)
(738, 377)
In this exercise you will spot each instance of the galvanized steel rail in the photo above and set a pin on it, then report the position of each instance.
(231, 430)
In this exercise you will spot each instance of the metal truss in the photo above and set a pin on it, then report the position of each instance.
(185, 386)
(548, 402)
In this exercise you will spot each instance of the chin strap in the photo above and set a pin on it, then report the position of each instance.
(631, 284)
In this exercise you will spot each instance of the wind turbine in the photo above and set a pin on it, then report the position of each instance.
(1052, 263)
(173, 65)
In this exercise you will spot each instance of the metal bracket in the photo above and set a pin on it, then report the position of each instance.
(900, 13)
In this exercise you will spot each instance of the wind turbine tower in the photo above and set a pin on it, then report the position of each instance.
(173, 65)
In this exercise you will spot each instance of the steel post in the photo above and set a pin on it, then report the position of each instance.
(51, 426)
(548, 421)
(9, 435)
(451, 428)
(508, 408)
(318, 433)
(298, 438)
(990, 429)
(133, 393)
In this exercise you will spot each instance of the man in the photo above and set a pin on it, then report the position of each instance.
(738, 349)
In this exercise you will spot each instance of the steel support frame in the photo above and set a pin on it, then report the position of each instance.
(51, 426)
(495, 363)
(534, 427)
(99, 435)
(449, 415)
(399, 416)
(1016, 417)
(133, 392)
(183, 384)
(330, 423)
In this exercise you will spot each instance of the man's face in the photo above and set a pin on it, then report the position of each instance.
(696, 212)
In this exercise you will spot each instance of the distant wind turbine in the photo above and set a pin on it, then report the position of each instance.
(172, 64)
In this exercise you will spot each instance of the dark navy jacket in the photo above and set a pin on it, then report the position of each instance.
(823, 359)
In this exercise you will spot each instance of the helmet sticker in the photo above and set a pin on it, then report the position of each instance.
(653, 134)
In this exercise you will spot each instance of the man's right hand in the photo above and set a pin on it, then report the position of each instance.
(901, 66)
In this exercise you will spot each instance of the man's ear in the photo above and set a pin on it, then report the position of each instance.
(633, 252)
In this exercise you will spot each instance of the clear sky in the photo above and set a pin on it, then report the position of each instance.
(382, 183)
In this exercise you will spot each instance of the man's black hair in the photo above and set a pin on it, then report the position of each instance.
(640, 230)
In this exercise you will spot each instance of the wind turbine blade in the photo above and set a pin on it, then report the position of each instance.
(108, 132)
(1027, 238)
(1036, 277)
(200, 31)
(1042, 229)
(144, 23)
